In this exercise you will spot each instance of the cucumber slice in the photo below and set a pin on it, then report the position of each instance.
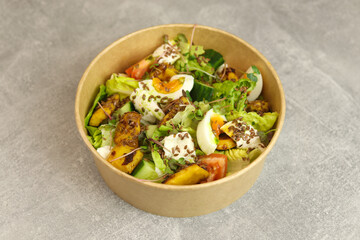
(201, 91)
(216, 59)
(128, 107)
(145, 170)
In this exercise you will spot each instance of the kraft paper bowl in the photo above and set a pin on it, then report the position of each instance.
(168, 200)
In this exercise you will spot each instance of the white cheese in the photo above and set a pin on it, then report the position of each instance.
(180, 145)
(243, 134)
(104, 151)
(167, 53)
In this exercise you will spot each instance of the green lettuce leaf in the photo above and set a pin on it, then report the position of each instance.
(181, 38)
(95, 136)
(100, 96)
(234, 98)
(159, 163)
(189, 62)
(261, 123)
(124, 86)
(107, 133)
(195, 49)
(184, 118)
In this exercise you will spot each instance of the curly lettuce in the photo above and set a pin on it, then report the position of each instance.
(234, 95)
(95, 136)
(107, 134)
(261, 123)
(122, 85)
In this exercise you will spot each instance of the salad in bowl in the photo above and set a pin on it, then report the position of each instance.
(181, 116)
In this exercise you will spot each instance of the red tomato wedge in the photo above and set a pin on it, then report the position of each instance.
(216, 165)
(138, 70)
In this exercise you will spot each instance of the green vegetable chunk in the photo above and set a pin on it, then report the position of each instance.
(145, 170)
(128, 107)
(201, 91)
(216, 59)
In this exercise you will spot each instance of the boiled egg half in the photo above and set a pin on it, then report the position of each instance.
(208, 131)
(154, 92)
(255, 93)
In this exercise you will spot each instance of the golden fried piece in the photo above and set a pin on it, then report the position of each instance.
(232, 77)
(187, 176)
(128, 130)
(109, 106)
(225, 142)
(259, 106)
(176, 106)
(129, 162)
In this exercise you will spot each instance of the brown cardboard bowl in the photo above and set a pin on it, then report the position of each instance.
(168, 200)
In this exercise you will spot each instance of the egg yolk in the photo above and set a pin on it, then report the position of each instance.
(168, 87)
(216, 123)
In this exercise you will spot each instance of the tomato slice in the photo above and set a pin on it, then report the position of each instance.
(138, 70)
(216, 165)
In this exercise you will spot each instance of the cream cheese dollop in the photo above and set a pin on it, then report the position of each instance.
(179, 145)
(245, 135)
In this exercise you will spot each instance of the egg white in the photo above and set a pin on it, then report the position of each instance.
(149, 109)
(255, 93)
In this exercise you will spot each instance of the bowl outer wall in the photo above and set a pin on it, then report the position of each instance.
(166, 200)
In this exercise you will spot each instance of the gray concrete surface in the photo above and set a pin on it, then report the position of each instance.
(49, 185)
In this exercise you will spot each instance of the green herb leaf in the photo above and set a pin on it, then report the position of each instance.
(252, 77)
(255, 69)
(188, 95)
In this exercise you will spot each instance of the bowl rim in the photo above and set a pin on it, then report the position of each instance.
(262, 156)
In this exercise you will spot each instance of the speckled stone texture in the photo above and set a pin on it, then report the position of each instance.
(49, 184)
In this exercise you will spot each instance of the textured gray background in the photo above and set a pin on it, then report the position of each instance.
(49, 185)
